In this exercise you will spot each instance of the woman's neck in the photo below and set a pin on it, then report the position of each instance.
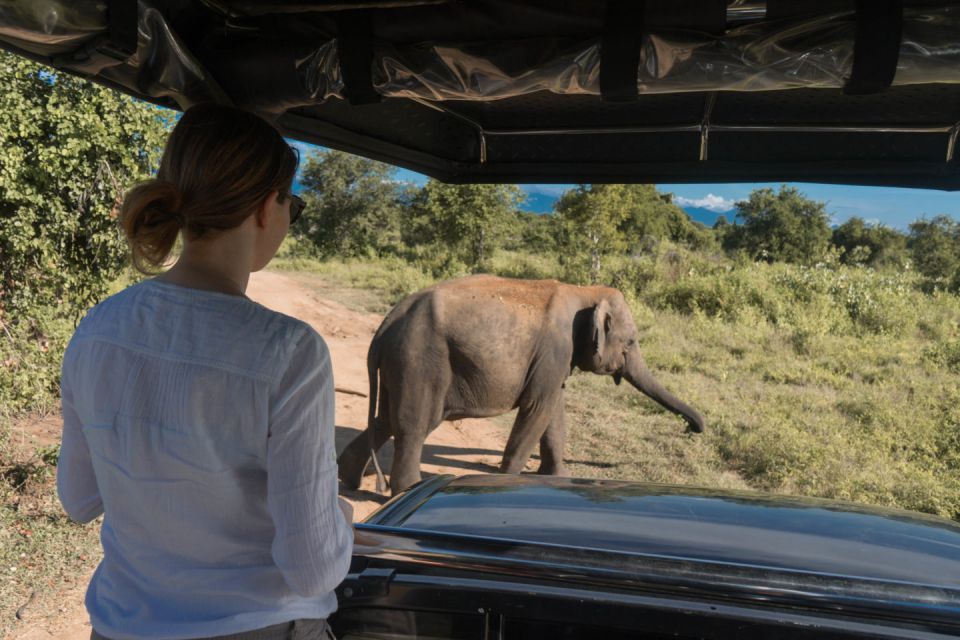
(213, 265)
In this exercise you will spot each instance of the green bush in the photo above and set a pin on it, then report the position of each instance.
(945, 354)
(70, 149)
(518, 264)
(30, 355)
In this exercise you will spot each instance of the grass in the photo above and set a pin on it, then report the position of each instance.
(361, 285)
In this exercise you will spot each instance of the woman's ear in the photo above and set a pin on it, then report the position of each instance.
(266, 208)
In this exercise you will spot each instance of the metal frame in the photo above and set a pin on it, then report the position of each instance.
(704, 127)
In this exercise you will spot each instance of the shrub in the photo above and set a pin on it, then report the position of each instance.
(70, 147)
(945, 354)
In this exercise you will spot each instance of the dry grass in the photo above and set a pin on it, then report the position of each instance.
(42, 553)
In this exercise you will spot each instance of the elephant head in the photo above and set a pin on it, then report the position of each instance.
(606, 339)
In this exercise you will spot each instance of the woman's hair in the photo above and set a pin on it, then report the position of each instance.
(219, 165)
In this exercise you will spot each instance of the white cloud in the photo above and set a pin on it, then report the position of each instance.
(714, 203)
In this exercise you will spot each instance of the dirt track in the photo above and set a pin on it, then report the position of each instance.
(468, 446)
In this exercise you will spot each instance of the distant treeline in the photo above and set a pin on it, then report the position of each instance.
(358, 209)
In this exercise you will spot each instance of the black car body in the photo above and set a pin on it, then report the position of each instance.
(538, 557)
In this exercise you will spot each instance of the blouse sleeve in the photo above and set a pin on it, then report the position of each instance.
(76, 482)
(313, 540)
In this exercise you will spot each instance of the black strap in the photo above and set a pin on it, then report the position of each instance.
(877, 46)
(110, 49)
(355, 45)
(620, 43)
(122, 27)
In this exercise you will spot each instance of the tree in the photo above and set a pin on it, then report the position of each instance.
(469, 220)
(600, 220)
(935, 245)
(591, 220)
(652, 214)
(535, 233)
(353, 205)
(70, 149)
(872, 245)
(780, 226)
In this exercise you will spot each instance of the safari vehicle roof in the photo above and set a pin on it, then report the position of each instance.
(731, 545)
(657, 91)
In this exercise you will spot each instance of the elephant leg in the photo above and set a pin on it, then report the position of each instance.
(382, 432)
(415, 416)
(350, 463)
(552, 444)
(354, 460)
(407, 452)
(531, 423)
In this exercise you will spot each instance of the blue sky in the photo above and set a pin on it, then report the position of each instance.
(890, 206)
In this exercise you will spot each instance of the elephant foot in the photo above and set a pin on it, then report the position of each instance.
(511, 466)
(552, 469)
(399, 484)
(349, 481)
(348, 472)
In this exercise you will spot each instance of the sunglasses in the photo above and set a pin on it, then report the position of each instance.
(296, 207)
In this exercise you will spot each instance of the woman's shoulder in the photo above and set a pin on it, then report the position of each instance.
(154, 317)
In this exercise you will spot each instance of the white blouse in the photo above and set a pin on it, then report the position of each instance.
(201, 424)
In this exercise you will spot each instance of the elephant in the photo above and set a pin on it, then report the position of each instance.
(482, 345)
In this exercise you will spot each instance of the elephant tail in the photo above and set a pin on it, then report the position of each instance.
(373, 367)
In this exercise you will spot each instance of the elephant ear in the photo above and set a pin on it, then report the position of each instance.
(601, 324)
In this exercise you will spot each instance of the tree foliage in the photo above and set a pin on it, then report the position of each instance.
(779, 225)
(871, 245)
(70, 148)
(935, 245)
(652, 215)
(594, 221)
(467, 221)
(534, 233)
(590, 219)
(353, 205)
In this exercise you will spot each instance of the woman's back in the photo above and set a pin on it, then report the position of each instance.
(208, 421)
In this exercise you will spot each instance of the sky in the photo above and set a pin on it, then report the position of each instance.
(893, 207)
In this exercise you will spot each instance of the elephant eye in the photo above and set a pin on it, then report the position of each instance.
(631, 342)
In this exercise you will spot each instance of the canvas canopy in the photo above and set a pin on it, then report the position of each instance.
(544, 91)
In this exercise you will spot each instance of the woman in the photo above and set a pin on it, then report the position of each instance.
(199, 423)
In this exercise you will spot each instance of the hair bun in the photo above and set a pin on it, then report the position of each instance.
(152, 217)
(164, 204)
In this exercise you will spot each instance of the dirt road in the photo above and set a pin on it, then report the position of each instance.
(469, 446)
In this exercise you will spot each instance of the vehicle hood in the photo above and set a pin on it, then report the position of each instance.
(737, 528)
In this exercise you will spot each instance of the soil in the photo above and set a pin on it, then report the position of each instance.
(467, 446)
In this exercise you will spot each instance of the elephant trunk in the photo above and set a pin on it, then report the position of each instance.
(637, 374)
